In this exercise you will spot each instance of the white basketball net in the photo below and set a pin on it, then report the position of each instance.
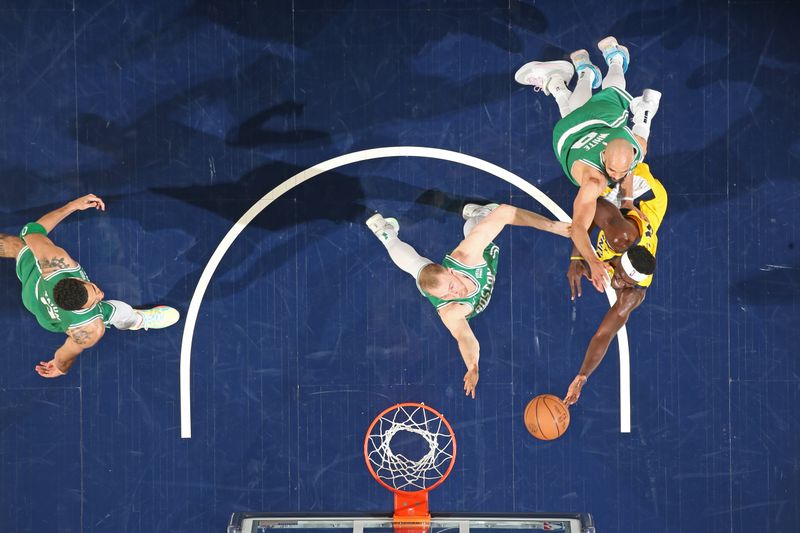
(403, 473)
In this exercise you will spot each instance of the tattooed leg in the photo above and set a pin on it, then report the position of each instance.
(10, 245)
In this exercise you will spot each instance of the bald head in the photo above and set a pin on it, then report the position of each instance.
(618, 156)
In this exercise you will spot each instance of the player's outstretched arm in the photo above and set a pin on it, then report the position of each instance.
(583, 210)
(78, 340)
(456, 322)
(49, 256)
(53, 218)
(616, 317)
(471, 248)
(523, 217)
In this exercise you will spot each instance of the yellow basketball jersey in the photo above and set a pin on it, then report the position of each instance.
(651, 199)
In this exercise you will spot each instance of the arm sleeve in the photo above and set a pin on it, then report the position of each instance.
(30, 228)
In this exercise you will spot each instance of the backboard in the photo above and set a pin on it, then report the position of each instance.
(439, 523)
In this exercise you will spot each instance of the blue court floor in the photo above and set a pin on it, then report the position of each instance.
(181, 115)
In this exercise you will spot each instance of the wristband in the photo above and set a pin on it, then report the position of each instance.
(576, 258)
(626, 198)
(30, 228)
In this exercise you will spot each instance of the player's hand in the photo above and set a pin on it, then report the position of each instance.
(599, 275)
(87, 202)
(562, 228)
(577, 268)
(471, 381)
(574, 391)
(628, 204)
(49, 369)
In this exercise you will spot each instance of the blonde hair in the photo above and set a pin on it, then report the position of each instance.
(428, 278)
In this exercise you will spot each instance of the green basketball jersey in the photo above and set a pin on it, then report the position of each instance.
(483, 275)
(583, 134)
(37, 296)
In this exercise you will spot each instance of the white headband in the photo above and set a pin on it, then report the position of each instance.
(632, 273)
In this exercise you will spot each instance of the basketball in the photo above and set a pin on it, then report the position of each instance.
(546, 417)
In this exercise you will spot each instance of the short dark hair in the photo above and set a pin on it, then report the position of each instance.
(642, 260)
(70, 294)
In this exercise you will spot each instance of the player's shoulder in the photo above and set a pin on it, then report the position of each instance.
(89, 333)
(588, 175)
(467, 254)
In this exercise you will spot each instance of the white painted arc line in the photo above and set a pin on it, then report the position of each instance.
(336, 162)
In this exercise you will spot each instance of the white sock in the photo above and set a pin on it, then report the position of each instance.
(587, 73)
(615, 76)
(583, 89)
(616, 60)
(558, 89)
(404, 256)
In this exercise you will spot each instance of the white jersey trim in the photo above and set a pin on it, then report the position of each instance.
(79, 324)
(60, 271)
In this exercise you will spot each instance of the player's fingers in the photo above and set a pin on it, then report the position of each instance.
(572, 289)
(598, 284)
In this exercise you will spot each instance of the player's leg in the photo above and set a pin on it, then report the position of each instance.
(402, 254)
(589, 78)
(617, 59)
(473, 214)
(644, 108)
(126, 317)
(551, 77)
(10, 246)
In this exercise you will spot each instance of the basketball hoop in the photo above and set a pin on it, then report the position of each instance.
(410, 478)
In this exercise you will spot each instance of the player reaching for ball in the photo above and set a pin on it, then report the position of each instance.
(461, 286)
(57, 291)
(592, 141)
(627, 243)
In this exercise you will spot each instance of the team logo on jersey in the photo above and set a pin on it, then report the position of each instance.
(486, 293)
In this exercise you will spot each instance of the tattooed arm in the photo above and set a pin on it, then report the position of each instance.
(78, 340)
(49, 256)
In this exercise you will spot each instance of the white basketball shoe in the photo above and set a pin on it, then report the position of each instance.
(539, 73)
(383, 228)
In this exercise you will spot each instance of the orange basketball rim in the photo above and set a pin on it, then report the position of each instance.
(410, 479)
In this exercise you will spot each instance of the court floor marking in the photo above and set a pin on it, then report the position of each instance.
(348, 159)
